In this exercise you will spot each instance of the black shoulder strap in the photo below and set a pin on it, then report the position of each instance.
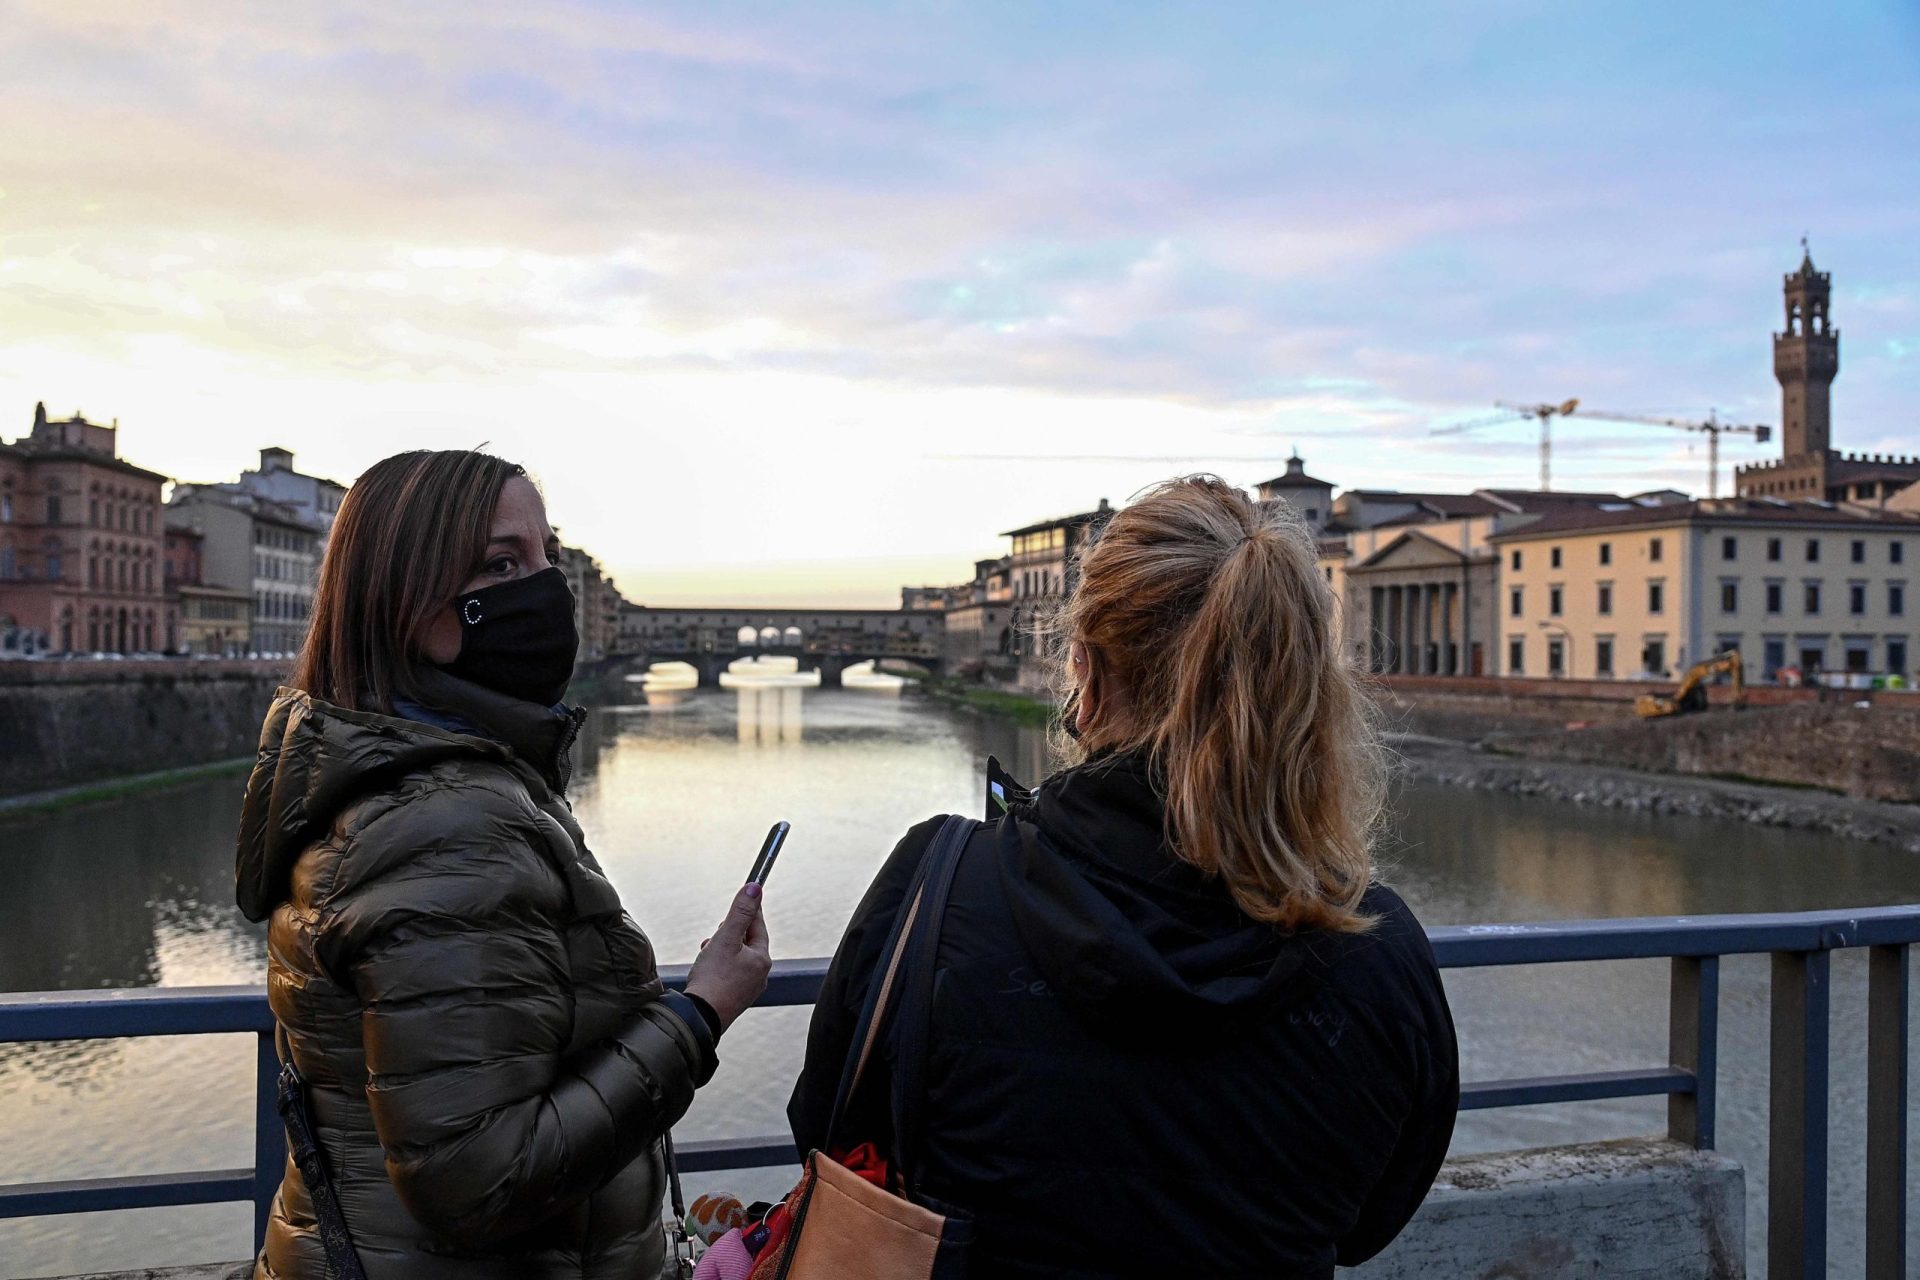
(343, 1263)
(884, 984)
(913, 1019)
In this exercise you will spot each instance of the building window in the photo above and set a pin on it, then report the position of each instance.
(1856, 598)
(1603, 657)
(1553, 558)
(1859, 550)
(1729, 548)
(1556, 656)
(1859, 656)
(1897, 656)
(1775, 592)
(1654, 549)
(1653, 655)
(1812, 597)
(53, 508)
(1813, 551)
(1605, 601)
(1656, 597)
(1896, 598)
(1896, 551)
(1730, 595)
(1813, 657)
(1773, 653)
(1553, 601)
(1516, 651)
(1606, 553)
(1773, 548)
(1516, 561)
(1514, 602)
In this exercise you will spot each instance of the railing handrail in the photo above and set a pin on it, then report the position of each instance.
(1799, 941)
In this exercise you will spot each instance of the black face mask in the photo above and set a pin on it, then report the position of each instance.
(518, 638)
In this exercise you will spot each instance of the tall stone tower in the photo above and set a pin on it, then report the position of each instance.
(1805, 359)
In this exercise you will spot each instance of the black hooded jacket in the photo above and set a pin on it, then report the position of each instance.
(1131, 1077)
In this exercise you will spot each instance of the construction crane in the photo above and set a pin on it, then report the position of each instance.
(1712, 427)
(1546, 413)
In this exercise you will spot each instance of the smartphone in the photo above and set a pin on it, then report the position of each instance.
(763, 865)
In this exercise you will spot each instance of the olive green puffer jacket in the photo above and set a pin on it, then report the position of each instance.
(490, 1060)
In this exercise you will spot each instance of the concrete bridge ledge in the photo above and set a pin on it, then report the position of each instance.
(1639, 1209)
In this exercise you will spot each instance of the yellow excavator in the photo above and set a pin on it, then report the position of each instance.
(1692, 693)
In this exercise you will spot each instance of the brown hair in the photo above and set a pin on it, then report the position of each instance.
(1207, 621)
(409, 534)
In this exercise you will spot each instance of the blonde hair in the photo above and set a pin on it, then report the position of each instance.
(1207, 621)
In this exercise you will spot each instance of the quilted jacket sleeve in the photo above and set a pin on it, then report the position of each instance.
(456, 948)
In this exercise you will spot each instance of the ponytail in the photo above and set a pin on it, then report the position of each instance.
(1211, 614)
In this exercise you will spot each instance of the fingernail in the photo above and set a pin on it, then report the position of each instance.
(753, 890)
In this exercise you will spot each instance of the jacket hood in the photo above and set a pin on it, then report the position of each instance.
(1119, 924)
(315, 758)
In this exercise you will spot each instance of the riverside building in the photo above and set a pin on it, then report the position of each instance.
(80, 543)
(1042, 569)
(203, 619)
(1646, 591)
(267, 549)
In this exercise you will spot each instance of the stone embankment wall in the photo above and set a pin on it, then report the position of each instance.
(66, 723)
(1794, 737)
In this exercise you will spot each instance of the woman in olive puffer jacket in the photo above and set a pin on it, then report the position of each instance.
(490, 1058)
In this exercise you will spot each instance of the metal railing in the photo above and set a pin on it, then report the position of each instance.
(1801, 945)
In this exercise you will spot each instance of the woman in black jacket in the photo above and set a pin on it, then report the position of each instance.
(1179, 1029)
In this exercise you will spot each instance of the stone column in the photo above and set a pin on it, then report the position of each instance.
(1450, 648)
(1396, 635)
(1426, 628)
(1376, 635)
(1403, 648)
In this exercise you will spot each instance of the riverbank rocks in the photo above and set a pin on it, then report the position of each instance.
(1459, 764)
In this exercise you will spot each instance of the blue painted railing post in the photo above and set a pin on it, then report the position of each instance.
(1797, 1119)
(1693, 1045)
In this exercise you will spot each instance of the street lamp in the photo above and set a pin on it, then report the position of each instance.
(1566, 659)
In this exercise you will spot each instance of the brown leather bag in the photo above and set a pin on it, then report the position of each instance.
(845, 1227)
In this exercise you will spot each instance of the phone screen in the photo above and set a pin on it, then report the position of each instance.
(763, 865)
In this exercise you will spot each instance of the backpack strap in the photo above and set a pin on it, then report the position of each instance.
(884, 990)
(913, 1019)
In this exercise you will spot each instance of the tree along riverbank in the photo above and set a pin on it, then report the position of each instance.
(1021, 708)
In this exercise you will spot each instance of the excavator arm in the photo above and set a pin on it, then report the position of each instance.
(1692, 693)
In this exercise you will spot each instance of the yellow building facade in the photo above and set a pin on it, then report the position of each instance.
(1643, 593)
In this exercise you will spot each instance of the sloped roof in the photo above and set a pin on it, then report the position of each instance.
(1752, 511)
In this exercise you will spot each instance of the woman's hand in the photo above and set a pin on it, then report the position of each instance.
(732, 970)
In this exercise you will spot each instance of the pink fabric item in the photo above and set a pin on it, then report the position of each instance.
(728, 1259)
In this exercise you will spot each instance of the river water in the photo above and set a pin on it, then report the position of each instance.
(138, 892)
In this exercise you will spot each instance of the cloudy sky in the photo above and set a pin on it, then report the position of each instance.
(801, 302)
